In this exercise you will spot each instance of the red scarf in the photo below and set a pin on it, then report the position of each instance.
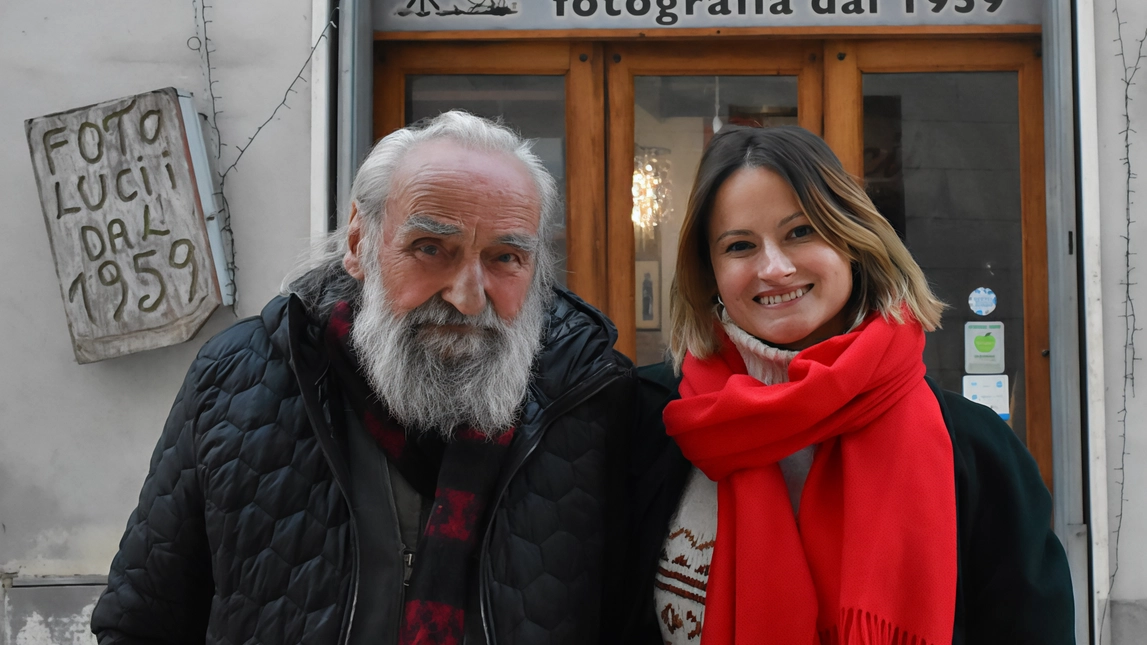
(873, 561)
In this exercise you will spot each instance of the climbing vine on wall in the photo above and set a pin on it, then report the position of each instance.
(202, 42)
(1131, 58)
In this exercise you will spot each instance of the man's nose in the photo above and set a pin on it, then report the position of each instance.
(466, 290)
(775, 264)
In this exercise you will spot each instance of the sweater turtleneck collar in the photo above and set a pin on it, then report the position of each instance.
(767, 364)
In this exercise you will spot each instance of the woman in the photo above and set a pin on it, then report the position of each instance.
(816, 487)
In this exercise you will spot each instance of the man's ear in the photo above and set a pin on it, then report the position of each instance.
(352, 261)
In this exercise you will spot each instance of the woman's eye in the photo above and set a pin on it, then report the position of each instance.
(803, 231)
(738, 246)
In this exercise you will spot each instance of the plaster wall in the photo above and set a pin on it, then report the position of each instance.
(1127, 476)
(75, 440)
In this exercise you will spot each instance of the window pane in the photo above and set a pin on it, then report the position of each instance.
(942, 163)
(535, 106)
(673, 122)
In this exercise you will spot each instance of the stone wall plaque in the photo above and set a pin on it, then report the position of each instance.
(125, 223)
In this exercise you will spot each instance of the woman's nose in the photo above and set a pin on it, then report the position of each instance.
(775, 264)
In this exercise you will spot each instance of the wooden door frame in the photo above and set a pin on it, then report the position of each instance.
(600, 240)
(581, 63)
(624, 61)
(846, 62)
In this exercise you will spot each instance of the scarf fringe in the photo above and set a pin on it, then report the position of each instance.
(859, 627)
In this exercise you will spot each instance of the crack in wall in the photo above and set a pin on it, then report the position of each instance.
(1130, 67)
(205, 46)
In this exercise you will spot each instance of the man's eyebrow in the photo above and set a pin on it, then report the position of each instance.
(527, 243)
(425, 224)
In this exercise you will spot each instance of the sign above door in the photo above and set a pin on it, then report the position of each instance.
(466, 15)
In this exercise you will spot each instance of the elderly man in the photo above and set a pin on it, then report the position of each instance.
(419, 443)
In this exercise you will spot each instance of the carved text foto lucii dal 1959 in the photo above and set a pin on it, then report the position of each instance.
(125, 223)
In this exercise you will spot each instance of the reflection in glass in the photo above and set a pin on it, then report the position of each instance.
(651, 198)
(674, 119)
(942, 163)
(535, 106)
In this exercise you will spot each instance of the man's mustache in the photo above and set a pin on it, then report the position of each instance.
(438, 312)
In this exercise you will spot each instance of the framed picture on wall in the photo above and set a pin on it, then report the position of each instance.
(647, 274)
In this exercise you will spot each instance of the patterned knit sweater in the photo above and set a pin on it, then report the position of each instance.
(683, 573)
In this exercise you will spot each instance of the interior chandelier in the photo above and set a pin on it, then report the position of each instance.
(650, 189)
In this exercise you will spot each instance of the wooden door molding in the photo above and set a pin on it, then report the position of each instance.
(844, 103)
(585, 174)
(619, 181)
(844, 133)
(899, 56)
(394, 61)
(624, 61)
(585, 125)
(1037, 333)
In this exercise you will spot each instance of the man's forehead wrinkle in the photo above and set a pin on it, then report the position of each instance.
(432, 180)
(450, 202)
(448, 190)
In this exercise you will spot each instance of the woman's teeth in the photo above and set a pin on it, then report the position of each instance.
(784, 297)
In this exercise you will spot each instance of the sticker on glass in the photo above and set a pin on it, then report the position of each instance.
(990, 390)
(982, 301)
(983, 347)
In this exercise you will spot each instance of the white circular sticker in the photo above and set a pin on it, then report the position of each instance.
(982, 301)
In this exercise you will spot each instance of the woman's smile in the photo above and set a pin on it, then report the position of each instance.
(787, 297)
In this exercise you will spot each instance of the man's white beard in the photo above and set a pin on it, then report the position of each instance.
(436, 380)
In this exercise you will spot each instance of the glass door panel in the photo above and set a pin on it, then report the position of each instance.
(948, 136)
(664, 102)
(674, 119)
(533, 105)
(942, 163)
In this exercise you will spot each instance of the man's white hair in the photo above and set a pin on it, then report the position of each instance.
(320, 279)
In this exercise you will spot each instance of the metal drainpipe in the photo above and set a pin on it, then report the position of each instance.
(1090, 245)
(1070, 488)
(321, 86)
(355, 87)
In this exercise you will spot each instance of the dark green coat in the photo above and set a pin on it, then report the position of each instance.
(1013, 585)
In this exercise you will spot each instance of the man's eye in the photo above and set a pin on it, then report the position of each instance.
(738, 246)
(803, 231)
(506, 258)
(428, 249)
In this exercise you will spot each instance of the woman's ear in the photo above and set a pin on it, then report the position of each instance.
(352, 262)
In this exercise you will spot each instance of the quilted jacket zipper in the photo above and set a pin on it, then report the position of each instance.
(309, 385)
(586, 390)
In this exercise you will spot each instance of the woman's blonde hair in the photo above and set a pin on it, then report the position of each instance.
(885, 277)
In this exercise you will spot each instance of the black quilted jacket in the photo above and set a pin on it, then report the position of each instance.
(243, 533)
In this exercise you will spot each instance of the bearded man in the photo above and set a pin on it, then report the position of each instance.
(418, 443)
